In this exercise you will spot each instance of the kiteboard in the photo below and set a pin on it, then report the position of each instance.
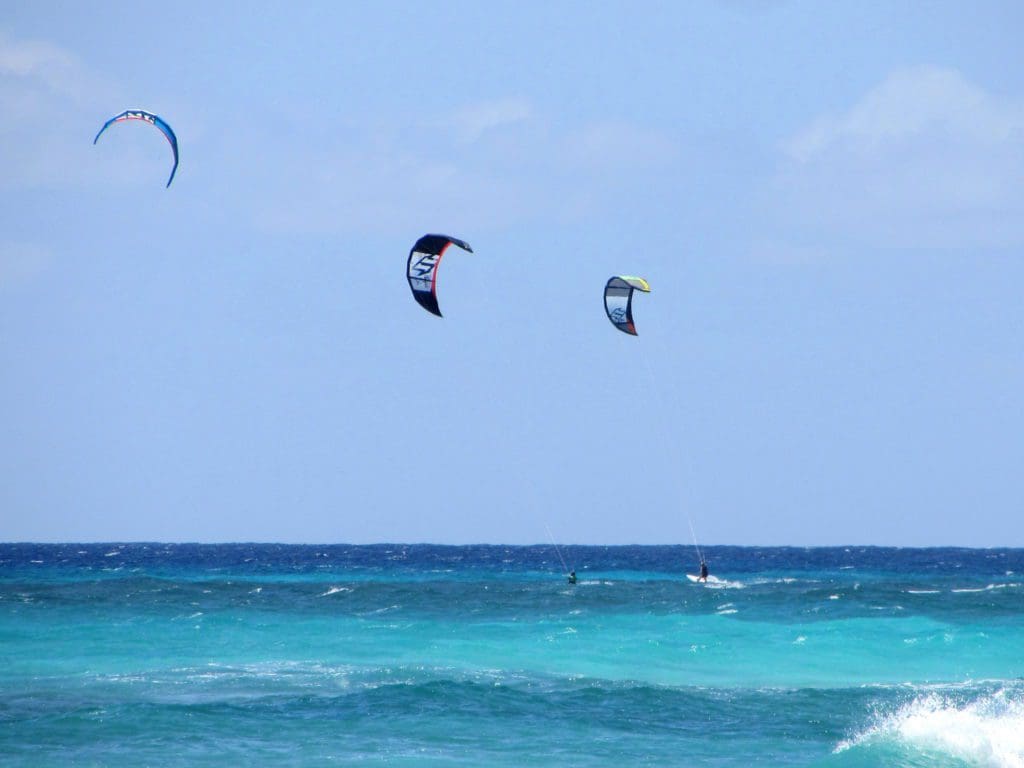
(711, 580)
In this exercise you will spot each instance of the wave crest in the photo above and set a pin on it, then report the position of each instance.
(988, 731)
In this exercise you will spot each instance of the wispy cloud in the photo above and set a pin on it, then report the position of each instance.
(25, 58)
(924, 158)
(911, 105)
(474, 120)
(20, 262)
(44, 67)
(619, 145)
(783, 253)
(359, 188)
(491, 164)
(40, 80)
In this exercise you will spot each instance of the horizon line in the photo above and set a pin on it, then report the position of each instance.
(138, 542)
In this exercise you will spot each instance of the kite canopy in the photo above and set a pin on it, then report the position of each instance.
(618, 301)
(146, 117)
(421, 270)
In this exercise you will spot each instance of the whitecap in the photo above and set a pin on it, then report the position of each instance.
(335, 590)
(987, 731)
(989, 587)
(922, 591)
(714, 582)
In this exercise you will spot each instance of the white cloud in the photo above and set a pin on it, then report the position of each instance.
(926, 158)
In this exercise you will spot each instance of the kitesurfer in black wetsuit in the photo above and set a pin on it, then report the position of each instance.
(572, 577)
(703, 571)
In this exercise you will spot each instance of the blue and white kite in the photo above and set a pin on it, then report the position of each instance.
(146, 117)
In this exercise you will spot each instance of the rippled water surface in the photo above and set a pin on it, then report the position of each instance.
(152, 654)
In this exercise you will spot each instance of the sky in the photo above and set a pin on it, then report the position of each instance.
(827, 200)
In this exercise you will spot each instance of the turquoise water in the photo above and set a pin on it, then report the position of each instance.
(463, 656)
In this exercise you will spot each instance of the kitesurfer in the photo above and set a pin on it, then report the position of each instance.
(703, 570)
(572, 577)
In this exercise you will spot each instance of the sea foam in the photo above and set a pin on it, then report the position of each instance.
(988, 731)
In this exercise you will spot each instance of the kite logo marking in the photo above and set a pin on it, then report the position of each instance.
(140, 116)
(151, 119)
(424, 265)
(618, 315)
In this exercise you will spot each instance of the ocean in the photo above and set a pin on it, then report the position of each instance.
(422, 655)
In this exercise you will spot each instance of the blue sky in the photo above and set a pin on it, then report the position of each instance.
(827, 199)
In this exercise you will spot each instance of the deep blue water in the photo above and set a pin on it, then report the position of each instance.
(254, 654)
